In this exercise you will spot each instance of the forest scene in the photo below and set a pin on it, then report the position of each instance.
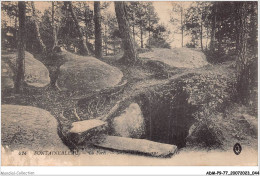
(160, 80)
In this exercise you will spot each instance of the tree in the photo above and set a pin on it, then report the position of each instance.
(224, 33)
(98, 32)
(246, 20)
(142, 18)
(10, 13)
(132, 9)
(105, 20)
(20, 62)
(178, 18)
(88, 20)
(82, 41)
(196, 20)
(54, 32)
(213, 27)
(113, 37)
(192, 25)
(234, 33)
(140, 21)
(152, 19)
(130, 54)
(158, 40)
(50, 24)
(37, 30)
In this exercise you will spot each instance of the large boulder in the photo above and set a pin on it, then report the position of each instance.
(177, 57)
(130, 123)
(36, 74)
(29, 128)
(86, 73)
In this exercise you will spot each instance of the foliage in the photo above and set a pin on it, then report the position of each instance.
(177, 16)
(233, 27)
(158, 39)
(158, 43)
(196, 21)
(111, 34)
(142, 18)
(212, 92)
(178, 19)
(9, 25)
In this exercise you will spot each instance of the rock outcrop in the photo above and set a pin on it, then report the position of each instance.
(177, 57)
(130, 123)
(36, 74)
(29, 128)
(86, 73)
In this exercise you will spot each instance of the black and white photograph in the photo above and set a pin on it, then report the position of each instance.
(129, 83)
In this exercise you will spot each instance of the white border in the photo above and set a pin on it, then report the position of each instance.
(132, 170)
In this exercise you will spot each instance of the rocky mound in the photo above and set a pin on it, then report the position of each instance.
(177, 57)
(226, 129)
(164, 110)
(26, 127)
(36, 74)
(86, 73)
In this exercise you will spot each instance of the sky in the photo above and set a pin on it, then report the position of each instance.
(164, 11)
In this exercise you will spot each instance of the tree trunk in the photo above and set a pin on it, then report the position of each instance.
(149, 32)
(54, 33)
(20, 61)
(201, 35)
(134, 32)
(83, 49)
(181, 27)
(98, 33)
(213, 32)
(207, 38)
(37, 30)
(242, 59)
(86, 20)
(130, 54)
(16, 30)
(141, 31)
(134, 26)
(106, 40)
(114, 45)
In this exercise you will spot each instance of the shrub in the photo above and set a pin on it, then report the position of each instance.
(158, 43)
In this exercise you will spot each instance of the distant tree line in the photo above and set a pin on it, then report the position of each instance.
(83, 27)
